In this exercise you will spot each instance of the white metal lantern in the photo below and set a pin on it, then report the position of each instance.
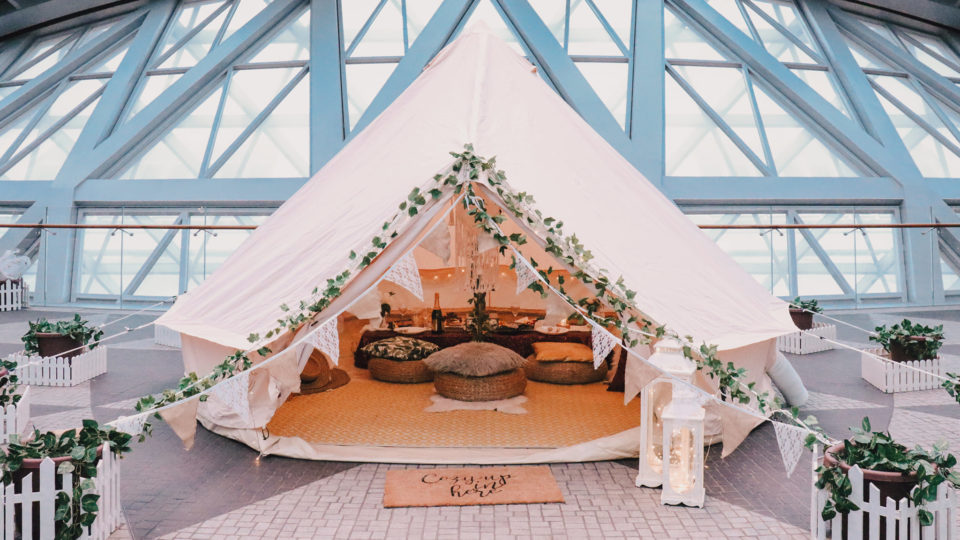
(682, 449)
(668, 356)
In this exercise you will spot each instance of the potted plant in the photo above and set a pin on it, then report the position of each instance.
(62, 338)
(907, 341)
(897, 472)
(73, 451)
(801, 311)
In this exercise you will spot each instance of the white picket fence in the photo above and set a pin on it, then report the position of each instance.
(15, 418)
(20, 503)
(11, 295)
(893, 377)
(900, 517)
(802, 342)
(165, 336)
(57, 371)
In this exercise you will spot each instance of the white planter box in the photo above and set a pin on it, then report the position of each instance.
(900, 516)
(107, 484)
(165, 336)
(11, 295)
(56, 371)
(802, 342)
(14, 419)
(891, 377)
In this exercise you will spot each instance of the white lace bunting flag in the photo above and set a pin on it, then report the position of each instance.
(235, 393)
(406, 274)
(525, 274)
(790, 440)
(602, 342)
(132, 425)
(327, 339)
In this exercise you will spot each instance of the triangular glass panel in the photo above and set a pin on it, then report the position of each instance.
(353, 15)
(284, 136)
(44, 161)
(191, 52)
(795, 149)
(64, 104)
(108, 63)
(153, 86)
(485, 12)
(554, 15)
(11, 132)
(610, 81)
(39, 47)
(824, 83)
(787, 15)
(929, 60)
(951, 280)
(250, 91)
(60, 50)
(98, 29)
(777, 44)
(730, 9)
(418, 15)
(864, 58)
(190, 16)
(384, 37)
(695, 146)
(587, 34)
(881, 29)
(902, 91)
(364, 81)
(725, 90)
(245, 10)
(681, 41)
(178, 153)
(619, 16)
(291, 43)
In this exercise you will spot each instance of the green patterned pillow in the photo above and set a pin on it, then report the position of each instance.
(400, 348)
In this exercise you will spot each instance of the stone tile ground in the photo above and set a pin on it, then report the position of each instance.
(220, 490)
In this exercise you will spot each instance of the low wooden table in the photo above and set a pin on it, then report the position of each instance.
(520, 342)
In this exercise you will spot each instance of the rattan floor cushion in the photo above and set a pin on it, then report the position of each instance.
(474, 359)
(486, 388)
(560, 372)
(395, 371)
(400, 348)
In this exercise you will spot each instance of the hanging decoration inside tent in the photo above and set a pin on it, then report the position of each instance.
(525, 274)
(602, 342)
(235, 393)
(327, 339)
(475, 255)
(790, 439)
(406, 274)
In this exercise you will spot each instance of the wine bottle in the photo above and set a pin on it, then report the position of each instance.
(437, 315)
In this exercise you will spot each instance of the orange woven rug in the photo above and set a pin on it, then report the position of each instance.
(466, 487)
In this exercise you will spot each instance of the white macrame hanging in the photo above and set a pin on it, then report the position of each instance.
(790, 440)
(525, 274)
(475, 253)
(132, 425)
(327, 339)
(235, 393)
(602, 342)
(406, 274)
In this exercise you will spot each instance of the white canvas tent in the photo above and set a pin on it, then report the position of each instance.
(477, 90)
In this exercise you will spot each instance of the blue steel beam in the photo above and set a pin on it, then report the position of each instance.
(327, 119)
(646, 90)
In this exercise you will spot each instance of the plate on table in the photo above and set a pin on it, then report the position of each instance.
(552, 330)
(411, 330)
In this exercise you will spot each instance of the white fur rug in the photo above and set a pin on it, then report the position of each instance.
(513, 405)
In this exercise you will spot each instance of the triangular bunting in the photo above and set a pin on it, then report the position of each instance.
(525, 274)
(132, 425)
(406, 274)
(602, 342)
(182, 419)
(327, 339)
(790, 440)
(235, 393)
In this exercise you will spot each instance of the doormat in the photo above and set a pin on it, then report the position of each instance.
(466, 487)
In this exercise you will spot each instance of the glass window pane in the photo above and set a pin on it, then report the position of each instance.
(153, 86)
(951, 280)
(681, 41)
(190, 15)
(609, 80)
(731, 11)
(385, 36)
(163, 276)
(191, 52)
(587, 34)
(824, 83)
(419, 13)
(293, 43)
(813, 276)
(61, 48)
(763, 254)
(246, 10)
(488, 14)
(777, 44)
(64, 104)
(695, 146)
(619, 15)
(208, 252)
(788, 16)
(354, 15)
(878, 256)
(937, 45)
(44, 161)
(37, 48)
(364, 81)
(554, 15)
(99, 269)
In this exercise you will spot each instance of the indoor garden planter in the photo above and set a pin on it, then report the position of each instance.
(63, 339)
(906, 341)
(801, 311)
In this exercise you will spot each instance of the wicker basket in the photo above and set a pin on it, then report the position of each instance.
(564, 372)
(490, 388)
(396, 371)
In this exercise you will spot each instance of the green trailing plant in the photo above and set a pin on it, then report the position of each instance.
(75, 328)
(77, 510)
(479, 323)
(8, 384)
(806, 305)
(902, 334)
(876, 450)
(952, 385)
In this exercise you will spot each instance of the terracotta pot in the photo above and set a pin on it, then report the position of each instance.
(803, 319)
(51, 345)
(891, 484)
(899, 354)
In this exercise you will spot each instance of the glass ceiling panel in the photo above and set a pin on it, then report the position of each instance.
(788, 16)
(931, 61)
(37, 48)
(23, 72)
(908, 96)
(778, 44)
(75, 93)
(825, 85)
(364, 81)
(190, 15)
(681, 41)
(153, 86)
(796, 150)
(587, 34)
(196, 47)
(488, 14)
(250, 91)
(419, 13)
(730, 9)
(44, 162)
(245, 10)
(554, 15)
(353, 16)
(385, 36)
(292, 43)
(695, 146)
(610, 81)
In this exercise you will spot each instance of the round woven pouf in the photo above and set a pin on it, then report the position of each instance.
(564, 372)
(488, 388)
(396, 371)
